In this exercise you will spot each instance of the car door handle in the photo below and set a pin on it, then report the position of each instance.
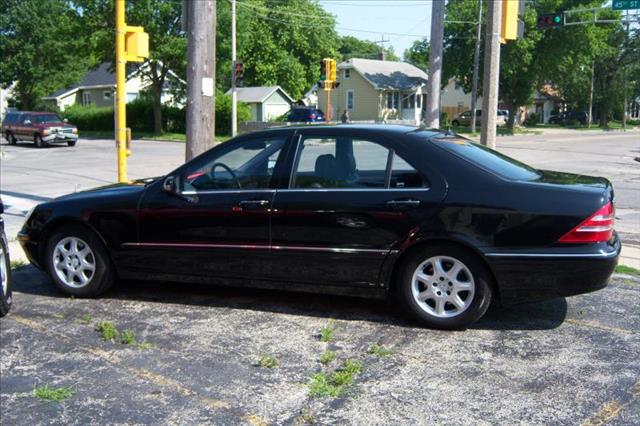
(403, 204)
(253, 204)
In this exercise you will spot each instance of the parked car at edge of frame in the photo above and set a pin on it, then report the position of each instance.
(464, 119)
(5, 269)
(442, 223)
(42, 128)
(304, 114)
(569, 116)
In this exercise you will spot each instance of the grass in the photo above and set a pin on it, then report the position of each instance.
(326, 332)
(334, 384)
(148, 136)
(47, 393)
(628, 270)
(379, 350)
(18, 264)
(107, 331)
(86, 319)
(267, 361)
(127, 337)
(327, 356)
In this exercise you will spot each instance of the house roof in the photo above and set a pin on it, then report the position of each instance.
(387, 74)
(258, 94)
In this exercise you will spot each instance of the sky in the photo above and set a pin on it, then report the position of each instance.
(399, 21)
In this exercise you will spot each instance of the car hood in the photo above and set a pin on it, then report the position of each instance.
(114, 190)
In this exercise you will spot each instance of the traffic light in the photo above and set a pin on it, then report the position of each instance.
(238, 69)
(511, 11)
(323, 69)
(551, 20)
(332, 70)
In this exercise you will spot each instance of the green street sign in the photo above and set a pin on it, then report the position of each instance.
(626, 4)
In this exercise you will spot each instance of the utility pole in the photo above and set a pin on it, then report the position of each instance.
(234, 90)
(624, 84)
(432, 116)
(593, 66)
(476, 70)
(491, 74)
(201, 73)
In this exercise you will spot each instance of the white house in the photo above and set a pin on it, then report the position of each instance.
(266, 102)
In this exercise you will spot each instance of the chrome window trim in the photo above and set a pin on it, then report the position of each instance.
(228, 191)
(351, 189)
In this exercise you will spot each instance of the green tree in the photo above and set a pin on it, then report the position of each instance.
(167, 43)
(418, 54)
(40, 48)
(353, 47)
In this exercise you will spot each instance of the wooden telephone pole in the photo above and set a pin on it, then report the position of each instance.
(432, 117)
(201, 76)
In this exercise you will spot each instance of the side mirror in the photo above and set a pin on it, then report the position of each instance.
(169, 185)
(65, 120)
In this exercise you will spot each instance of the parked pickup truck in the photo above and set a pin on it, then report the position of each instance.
(42, 128)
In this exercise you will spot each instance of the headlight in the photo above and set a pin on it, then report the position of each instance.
(74, 131)
(46, 132)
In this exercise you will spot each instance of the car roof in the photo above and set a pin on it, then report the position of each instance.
(385, 129)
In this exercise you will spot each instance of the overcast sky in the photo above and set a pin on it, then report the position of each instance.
(372, 19)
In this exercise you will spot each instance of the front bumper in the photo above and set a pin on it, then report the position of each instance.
(528, 275)
(60, 138)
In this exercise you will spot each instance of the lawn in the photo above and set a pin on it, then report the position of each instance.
(148, 136)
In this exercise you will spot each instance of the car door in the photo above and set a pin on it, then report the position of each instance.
(211, 217)
(22, 127)
(351, 200)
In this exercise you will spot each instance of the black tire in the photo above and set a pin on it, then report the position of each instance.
(5, 296)
(10, 138)
(71, 143)
(478, 304)
(102, 277)
(455, 123)
(37, 140)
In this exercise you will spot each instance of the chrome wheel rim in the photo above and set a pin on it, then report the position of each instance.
(4, 271)
(443, 286)
(74, 262)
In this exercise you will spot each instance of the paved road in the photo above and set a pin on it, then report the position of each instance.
(31, 175)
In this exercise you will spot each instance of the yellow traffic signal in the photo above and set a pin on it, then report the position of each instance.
(137, 44)
(332, 70)
(510, 12)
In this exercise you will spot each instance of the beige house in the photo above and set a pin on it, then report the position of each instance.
(98, 87)
(376, 90)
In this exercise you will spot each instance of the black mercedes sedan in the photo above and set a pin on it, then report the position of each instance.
(444, 224)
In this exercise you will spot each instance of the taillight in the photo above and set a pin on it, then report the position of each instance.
(595, 229)
(312, 116)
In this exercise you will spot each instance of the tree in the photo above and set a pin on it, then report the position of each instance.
(40, 53)
(418, 54)
(167, 43)
(353, 47)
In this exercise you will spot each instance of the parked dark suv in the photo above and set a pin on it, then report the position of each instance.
(42, 128)
(304, 115)
(568, 117)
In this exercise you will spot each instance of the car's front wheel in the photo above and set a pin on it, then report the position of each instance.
(455, 123)
(444, 286)
(38, 141)
(77, 261)
(5, 279)
(71, 143)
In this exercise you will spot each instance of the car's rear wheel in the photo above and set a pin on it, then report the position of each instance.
(77, 262)
(10, 138)
(71, 143)
(5, 279)
(37, 140)
(444, 286)
(455, 123)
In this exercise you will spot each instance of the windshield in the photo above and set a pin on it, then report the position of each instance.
(488, 159)
(46, 118)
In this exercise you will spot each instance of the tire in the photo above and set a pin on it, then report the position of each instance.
(73, 275)
(5, 279)
(71, 143)
(37, 140)
(10, 138)
(473, 274)
(455, 123)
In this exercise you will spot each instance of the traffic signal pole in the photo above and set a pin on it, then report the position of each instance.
(121, 102)
(234, 90)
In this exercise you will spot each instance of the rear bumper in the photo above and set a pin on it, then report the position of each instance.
(528, 276)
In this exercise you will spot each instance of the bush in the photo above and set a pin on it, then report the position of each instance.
(223, 114)
(444, 120)
(532, 120)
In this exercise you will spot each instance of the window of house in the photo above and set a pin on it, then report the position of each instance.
(340, 162)
(106, 95)
(409, 101)
(393, 100)
(86, 98)
(347, 73)
(350, 100)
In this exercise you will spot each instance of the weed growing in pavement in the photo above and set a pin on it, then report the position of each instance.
(326, 332)
(379, 350)
(621, 269)
(47, 393)
(127, 337)
(305, 418)
(334, 384)
(327, 356)
(107, 331)
(18, 264)
(267, 361)
(86, 319)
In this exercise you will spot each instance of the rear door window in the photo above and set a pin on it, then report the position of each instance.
(404, 175)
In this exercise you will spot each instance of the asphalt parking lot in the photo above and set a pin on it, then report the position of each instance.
(196, 351)
(572, 361)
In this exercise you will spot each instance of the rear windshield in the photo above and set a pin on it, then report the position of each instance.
(488, 159)
(46, 118)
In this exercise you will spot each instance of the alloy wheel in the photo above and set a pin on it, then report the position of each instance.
(443, 286)
(74, 262)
